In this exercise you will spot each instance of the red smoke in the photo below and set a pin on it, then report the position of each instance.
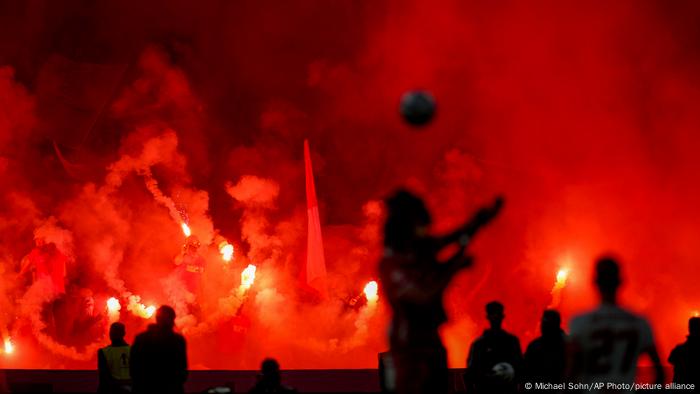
(117, 119)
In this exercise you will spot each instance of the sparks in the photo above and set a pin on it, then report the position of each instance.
(186, 229)
(226, 250)
(248, 277)
(370, 291)
(9, 347)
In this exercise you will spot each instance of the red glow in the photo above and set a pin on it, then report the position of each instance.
(119, 137)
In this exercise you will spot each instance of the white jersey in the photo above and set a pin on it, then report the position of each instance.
(610, 340)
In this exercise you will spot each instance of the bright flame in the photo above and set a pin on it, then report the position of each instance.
(139, 309)
(248, 277)
(113, 305)
(696, 313)
(370, 291)
(113, 308)
(226, 250)
(562, 276)
(150, 311)
(9, 347)
(186, 229)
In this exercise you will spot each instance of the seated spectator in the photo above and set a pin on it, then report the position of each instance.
(269, 380)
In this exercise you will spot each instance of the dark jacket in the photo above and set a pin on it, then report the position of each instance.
(685, 359)
(545, 359)
(159, 361)
(493, 347)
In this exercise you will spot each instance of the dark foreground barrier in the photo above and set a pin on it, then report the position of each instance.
(306, 381)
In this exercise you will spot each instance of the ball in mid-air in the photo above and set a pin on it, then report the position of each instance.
(417, 107)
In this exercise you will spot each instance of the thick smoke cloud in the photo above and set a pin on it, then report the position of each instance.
(121, 121)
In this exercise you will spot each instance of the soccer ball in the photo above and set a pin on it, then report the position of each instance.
(417, 107)
(503, 371)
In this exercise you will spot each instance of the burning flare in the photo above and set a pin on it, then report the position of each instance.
(226, 250)
(113, 305)
(248, 277)
(562, 276)
(139, 309)
(9, 347)
(186, 229)
(370, 291)
(113, 308)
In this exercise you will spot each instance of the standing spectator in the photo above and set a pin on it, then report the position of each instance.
(605, 344)
(159, 357)
(685, 357)
(113, 363)
(545, 357)
(495, 358)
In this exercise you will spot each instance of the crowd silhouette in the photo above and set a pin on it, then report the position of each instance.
(602, 346)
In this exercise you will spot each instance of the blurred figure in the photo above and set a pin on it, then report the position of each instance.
(159, 357)
(269, 380)
(191, 264)
(685, 357)
(113, 363)
(604, 344)
(495, 358)
(545, 357)
(46, 261)
(414, 282)
(77, 321)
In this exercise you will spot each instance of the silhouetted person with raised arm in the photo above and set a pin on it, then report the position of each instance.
(159, 357)
(495, 358)
(414, 282)
(270, 380)
(685, 357)
(545, 357)
(113, 363)
(605, 344)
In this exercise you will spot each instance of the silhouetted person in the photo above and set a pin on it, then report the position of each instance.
(159, 357)
(113, 363)
(545, 357)
(269, 380)
(414, 282)
(605, 343)
(495, 357)
(685, 357)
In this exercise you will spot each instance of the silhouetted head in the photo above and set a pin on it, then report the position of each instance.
(607, 277)
(117, 331)
(495, 313)
(407, 219)
(165, 317)
(270, 371)
(694, 327)
(551, 323)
